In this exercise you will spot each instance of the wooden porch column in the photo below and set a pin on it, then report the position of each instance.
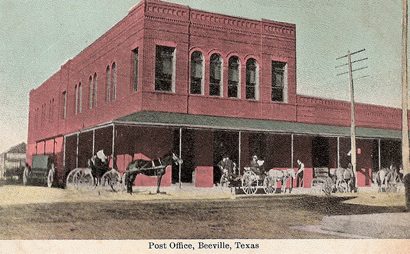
(64, 145)
(76, 152)
(338, 152)
(239, 151)
(379, 145)
(291, 151)
(180, 156)
(93, 151)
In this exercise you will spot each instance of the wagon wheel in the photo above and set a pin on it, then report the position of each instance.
(25, 176)
(84, 179)
(267, 186)
(50, 178)
(70, 178)
(249, 183)
(317, 186)
(112, 179)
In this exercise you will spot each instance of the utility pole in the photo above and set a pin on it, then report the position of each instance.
(404, 105)
(353, 150)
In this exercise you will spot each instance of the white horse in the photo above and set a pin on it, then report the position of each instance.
(274, 176)
(387, 179)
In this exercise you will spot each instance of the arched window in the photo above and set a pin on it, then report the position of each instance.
(95, 84)
(114, 82)
(215, 75)
(91, 94)
(76, 100)
(108, 84)
(197, 73)
(233, 77)
(80, 98)
(252, 79)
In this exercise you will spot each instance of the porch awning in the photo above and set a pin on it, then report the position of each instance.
(243, 124)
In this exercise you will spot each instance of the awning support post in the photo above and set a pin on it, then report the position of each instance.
(76, 151)
(338, 152)
(180, 156)
(93, 151)
(240, 151)
(291, 150)
(64, 151)
(113, 145)
(379, 145)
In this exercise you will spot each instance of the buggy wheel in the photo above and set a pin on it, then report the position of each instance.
(112, 179)
(249, 183)
(25, 176)
(50, 178)
(267, 186)
(84, 180)
(71, 177)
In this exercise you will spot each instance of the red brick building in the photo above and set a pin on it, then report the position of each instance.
(227, 84)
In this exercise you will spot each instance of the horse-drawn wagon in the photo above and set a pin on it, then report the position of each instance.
(42, 171)
(96, 174)
(250, 181)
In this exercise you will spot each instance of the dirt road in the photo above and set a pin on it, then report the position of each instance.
(42, 213)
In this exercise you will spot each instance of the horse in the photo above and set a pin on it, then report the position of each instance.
(99, 164)
(343, 179)
(149, 168)
(387, 178)
(274, 176)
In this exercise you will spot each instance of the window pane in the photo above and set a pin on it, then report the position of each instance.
(91, 94)
(278, 71)
(114, 82)
(215, 75)
(196, 73)
(251, 79)
(164, 68)
(232, 89)
(108, 84)
(135, 72)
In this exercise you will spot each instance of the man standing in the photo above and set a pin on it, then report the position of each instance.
(299, 174)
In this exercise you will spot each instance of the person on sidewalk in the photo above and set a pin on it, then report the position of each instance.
(299, 174)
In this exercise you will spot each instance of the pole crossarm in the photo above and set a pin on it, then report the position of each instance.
(356, 61)
(356, 52)
(346, 72)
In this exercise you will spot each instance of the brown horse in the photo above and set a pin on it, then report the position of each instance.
(150, 168)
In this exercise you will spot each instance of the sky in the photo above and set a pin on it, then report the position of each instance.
(38, 36)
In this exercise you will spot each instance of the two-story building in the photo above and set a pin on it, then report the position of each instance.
(168, 77)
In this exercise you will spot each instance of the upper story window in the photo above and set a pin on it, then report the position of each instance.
(114, 81)
(135, 69)
(91, 92)
(252, 79)
(95, 90)
(215, 77)
(233, 77)
(64, 106)
(278, 81)
(197, 72)
(76, 100)
(164, 68)
(80, 98)
(107, 84)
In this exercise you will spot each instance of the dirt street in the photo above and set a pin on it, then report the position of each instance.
(42, 213)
